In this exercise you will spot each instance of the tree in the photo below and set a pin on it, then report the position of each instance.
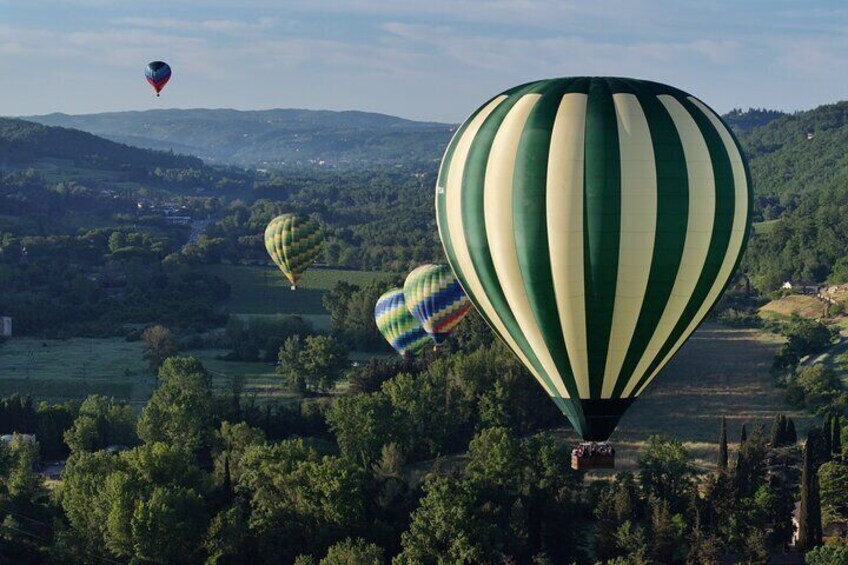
(607, 524)
(750, 463)
(831, 554)
(833, 488)
(446, 528)
(354, 552)
(291, 365)
(228, 537)
(743, 437)
(159, 344)
(722, 446)
(362, 424)
(664, 471)
(791, 433)
(836, 437)
(666, 532)
(809, 523)
(778, 431)
(300, 502)
(495, 458)
(315, 363)
(102, 422)
(180, 412)
(22, 482)
(230, 443)
(827, 434)
(168, 526)
(324, 360)
(84, 484)
(631, 541)
(819, 383)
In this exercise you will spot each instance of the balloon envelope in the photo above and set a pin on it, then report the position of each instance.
(436, 299)
(293, 242)
(593, 222)
(403, 332)
(158, 73)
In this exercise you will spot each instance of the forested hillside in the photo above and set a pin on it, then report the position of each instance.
(742, 121)
(799, 164)
(23, 142)
(269, 138)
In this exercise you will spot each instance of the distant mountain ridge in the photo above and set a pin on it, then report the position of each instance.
(268, 138)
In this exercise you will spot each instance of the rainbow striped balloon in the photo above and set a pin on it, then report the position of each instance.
(436, 299)
(403, 332)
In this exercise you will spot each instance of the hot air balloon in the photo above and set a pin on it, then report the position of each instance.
(436, 299)
(594, 222)
(158, 74)
(293, 242)
(403, 332)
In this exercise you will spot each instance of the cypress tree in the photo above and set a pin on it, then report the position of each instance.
(791, 434)
(783, 436)
(827, 426)
(227, 487)
(722, 446)
(809, 522)
(836, 440)
(776, 435)
(743, 436)
(817, 447)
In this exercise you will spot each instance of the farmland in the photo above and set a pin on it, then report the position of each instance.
(72, 369)
(719, 372)
(262, 290)
(800, 304)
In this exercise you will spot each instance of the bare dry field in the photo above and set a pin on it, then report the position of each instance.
(718, 372)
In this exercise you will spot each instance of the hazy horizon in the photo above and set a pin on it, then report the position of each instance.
(433, 61)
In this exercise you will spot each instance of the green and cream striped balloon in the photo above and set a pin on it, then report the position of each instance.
(293, 242)
(594, 222)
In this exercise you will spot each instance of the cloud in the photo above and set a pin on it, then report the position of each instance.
(228, 26)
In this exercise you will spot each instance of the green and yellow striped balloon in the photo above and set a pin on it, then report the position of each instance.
(594, 222)
(293, 242)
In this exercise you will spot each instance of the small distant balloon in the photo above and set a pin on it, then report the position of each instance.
(158, 74)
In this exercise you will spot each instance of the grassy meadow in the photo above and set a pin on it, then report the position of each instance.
(262, 290)
(56, 370)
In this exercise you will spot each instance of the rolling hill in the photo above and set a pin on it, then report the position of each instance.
(799, 153)
(23, 143)
(269, 138)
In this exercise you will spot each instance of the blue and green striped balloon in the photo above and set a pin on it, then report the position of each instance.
(403, 332)
(594, 222)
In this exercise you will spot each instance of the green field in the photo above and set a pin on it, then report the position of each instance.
(766, 227)
(72, 369)
(262, 290)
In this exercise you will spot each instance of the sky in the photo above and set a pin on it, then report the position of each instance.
(420, 59)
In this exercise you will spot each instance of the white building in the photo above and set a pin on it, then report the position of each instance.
(5, 326)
